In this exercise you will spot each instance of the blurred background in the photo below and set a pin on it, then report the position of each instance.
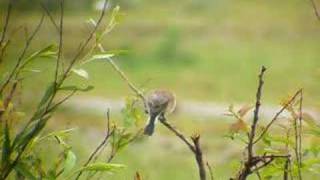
(208, 52)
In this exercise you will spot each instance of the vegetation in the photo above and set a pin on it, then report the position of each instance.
(284, 148)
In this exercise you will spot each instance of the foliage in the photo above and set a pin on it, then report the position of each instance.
(22, 135)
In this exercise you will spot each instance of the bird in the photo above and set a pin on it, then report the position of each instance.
(159, 103)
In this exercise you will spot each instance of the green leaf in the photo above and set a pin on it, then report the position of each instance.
(132, 114)
(92, 22)
(75, 88)
(104, 167)
(25, 171)
(6, 149)
(31, 132)
(70, 162)
(102, 56)
(81, 72)
(115, 16)
(244, 110)
(61, 133)
(49, 92)
(47, 52)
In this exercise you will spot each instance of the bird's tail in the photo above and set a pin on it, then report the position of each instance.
(149, 129)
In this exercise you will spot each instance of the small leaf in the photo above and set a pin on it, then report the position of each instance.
(115, 16)
(99, 57)
(92, 22)
(75, 88)
(244, 110)
(32, 70)
(105, 167)
(132, 115)
(81, 72)
(70, 162)
(47, 52)
(47, 95)
(238, 126)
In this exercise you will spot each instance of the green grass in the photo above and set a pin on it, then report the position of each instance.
(162, 156)
(205, 51)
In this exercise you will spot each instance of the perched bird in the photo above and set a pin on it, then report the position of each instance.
(159, 103)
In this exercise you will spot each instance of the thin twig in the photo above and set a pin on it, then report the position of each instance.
(50, 17)
(195, 147)
(277, 115)
(101, 145)
(286, 169)
(300, 127)
(210, 170)
(178, 134)
(85, 44)
(198, 155)
(315, 9)
(258, 174)
(297, 134)
(24, 51)
(256, 114)
(10, 95)
(5, 28)
(95, 154)
(126, 79)
(62, 101)
(60, 42)
(6, 22)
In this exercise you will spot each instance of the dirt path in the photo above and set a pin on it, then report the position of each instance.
(202, 110)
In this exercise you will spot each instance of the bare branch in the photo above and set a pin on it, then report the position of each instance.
(46, 10)
(198, 155)
(256, 113)
(178, 134)
(126, 79)
(195, 148)
(277, 115)
(100, 146)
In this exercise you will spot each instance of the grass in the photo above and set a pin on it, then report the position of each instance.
(161, 156)
(210, 53)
